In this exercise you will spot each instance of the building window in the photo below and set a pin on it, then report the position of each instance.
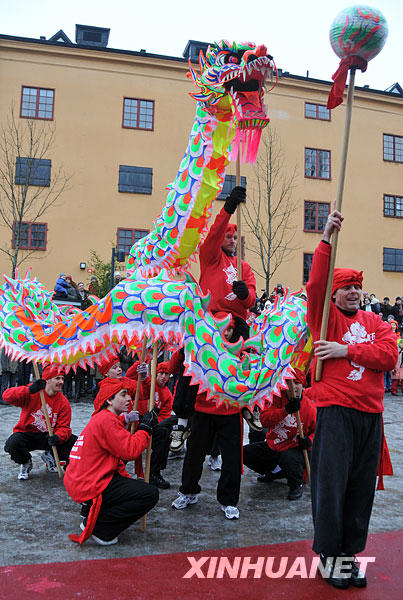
(128, 237)
(33, 236)
(393, 259)
(317, 163)
(392, 206)
(37, 103)
(315, 215)
(32, 171)
(135, 180)
(229, 184)
(307, 267)
(392, 148)
(138, 114)
(317, 111)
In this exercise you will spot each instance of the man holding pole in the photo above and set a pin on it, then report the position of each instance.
(357, 348)
(31, 431)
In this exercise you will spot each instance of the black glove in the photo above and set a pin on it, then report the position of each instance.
(240, 289)
(53, 440)
(293, 405)
(304, 443)
(156, 409)
(237, 196)
(148, 421)
(37, 386)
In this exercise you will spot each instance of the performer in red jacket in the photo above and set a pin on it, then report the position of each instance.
(96, 474)
(163, 405)
(283, 447)
(358, 347)
(218, 268)
(31, 432)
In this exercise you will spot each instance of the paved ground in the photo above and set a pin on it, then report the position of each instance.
(37, 515)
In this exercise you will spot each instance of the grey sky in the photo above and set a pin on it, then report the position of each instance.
(296, 32)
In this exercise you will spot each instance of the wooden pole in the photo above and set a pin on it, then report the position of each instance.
(137, 394)
(238, 219)
(48, 424)
(151, 401)
(339, 199)
(291, 388)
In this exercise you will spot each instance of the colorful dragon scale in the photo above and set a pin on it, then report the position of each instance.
(34, 328)
(230, 109)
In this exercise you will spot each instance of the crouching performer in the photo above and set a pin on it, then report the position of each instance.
(97, 477)
(31, 432)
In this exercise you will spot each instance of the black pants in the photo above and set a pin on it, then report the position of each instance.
(124, 501)
(160, 445)
(228, 429)
(185, 394)
(19, 445)
(262, 459)
(345, 455)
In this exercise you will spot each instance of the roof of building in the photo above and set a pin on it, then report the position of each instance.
(393, 90)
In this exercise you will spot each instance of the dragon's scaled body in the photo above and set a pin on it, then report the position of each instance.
(159, 298)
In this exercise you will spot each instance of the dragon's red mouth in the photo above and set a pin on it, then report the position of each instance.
(246, 89)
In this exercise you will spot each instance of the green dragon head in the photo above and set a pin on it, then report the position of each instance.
(232, 77)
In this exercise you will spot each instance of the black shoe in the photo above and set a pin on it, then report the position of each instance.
(158, 480)
(295, 493)
(269, 477)
(357, 577)
(341, 582)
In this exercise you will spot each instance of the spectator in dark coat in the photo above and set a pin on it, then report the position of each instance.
(385, 309)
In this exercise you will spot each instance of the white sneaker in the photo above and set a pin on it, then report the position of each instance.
(49, 461)
(231, 512)
(215, 462)
(25, 469)
(98, 540)
(183, 500)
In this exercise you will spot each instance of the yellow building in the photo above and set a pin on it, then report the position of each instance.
(122, 121)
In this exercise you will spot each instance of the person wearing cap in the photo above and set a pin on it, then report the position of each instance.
(96, 476)
(163, 403)
(218, 268)
(31, 432)
(346, 449)
(281, 453)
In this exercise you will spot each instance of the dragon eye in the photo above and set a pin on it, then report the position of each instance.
(233, 59)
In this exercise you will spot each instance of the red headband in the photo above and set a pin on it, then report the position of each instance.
(107, 363)
(231, 228)
(51, 371)
(163, 367)
(300, 377)
(108, 387)
(343, 277)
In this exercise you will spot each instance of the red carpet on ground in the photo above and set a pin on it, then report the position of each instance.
(162, 577)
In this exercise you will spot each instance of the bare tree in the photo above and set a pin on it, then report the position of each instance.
(270, 209)
(23, 143)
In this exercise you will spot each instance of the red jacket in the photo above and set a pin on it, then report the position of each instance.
(357, 380)
(32, 418)
(283, 427)
(98, 453)
(163, 398)
(218, 272)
